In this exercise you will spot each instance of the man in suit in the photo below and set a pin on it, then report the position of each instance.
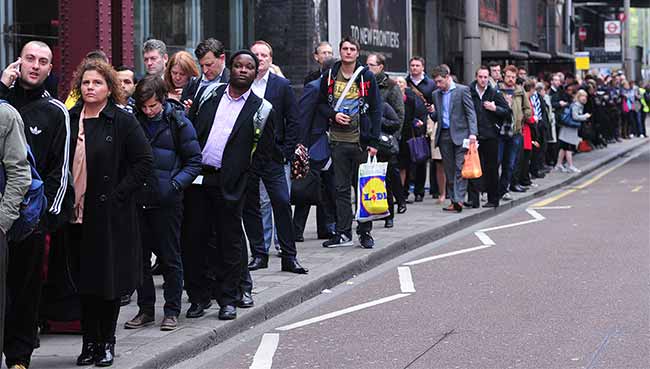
(454, 110)
(322, 53)
(211, 54)
(314, 126)
(228, 136)
(274, 172)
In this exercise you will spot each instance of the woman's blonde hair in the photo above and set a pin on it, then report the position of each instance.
(580, 92)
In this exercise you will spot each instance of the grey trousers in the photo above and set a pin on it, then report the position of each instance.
(453, 157)
(3, 287)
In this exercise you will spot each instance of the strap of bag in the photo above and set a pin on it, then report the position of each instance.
(417, 91)
(347, 87)
(259, 121)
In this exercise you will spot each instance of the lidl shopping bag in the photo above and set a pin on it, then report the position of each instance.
(372, 197)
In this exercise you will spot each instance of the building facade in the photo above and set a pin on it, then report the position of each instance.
(538, 34)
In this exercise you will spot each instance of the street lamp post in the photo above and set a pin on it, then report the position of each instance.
(472, 41)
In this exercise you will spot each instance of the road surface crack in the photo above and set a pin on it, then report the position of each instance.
(444, 336)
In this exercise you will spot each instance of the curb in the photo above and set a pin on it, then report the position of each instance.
(292, 298)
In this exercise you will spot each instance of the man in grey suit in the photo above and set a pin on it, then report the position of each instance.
(453, 109)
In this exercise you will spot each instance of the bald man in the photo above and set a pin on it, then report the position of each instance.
(47, 130)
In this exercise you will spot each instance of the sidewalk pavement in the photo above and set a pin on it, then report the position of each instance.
(276, 292)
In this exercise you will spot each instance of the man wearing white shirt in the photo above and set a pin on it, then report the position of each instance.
(274, 174)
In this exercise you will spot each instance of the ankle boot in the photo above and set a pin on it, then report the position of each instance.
(105, 354)
(87, 356)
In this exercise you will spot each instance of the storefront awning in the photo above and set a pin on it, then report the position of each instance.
(538, 55)
(561, 55)
(503, 54)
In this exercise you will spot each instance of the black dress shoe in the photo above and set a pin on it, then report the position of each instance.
(517, 188)
(228, 312)
(490, 205)
(246, 301)
(105, 354)
(259, 262)
(419, 198)
(453, 207)
(292, 265)
(87, 356)
(388, 223)
(300, 239)
(197, 310)
(401, 208)
(470, 205)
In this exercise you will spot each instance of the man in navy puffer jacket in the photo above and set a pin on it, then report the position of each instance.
(177, 162)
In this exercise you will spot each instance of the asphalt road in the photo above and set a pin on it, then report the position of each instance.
(569, 287)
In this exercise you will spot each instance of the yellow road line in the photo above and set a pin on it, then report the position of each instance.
(637, 189)
(551, 200)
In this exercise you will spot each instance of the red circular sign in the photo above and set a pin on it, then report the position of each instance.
(622, 17)
(582, 33)
(612, 28)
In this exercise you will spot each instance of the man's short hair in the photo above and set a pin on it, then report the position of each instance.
(522, 68)
(40, 44)
(209, 45)
(97, 54)
(350, 40)
(322, 43)
(440, 71)
(123, 68)
(244, 52)
(153, 44)
(493, 64)
(381, 59)
(529, 84)
(263, 43)
(510, 68)
(418, 58)
(482, 67)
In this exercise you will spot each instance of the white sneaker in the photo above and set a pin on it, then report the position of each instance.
(573, 169)
(631, 135)
(506, 196)
(560, 168)
(642, 136)
(484, 196)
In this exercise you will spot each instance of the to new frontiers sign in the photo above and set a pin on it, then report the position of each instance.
(379, 26)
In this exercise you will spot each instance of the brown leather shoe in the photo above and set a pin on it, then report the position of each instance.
(169, 323)
(140, 320)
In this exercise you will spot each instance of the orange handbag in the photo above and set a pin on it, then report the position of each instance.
(472, 165)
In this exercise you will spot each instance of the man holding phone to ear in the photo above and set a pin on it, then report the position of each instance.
(350, 98)
(47, 130)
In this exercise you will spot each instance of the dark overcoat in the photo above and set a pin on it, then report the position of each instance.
(118, 159)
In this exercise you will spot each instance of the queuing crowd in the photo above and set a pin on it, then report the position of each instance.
(195, 163)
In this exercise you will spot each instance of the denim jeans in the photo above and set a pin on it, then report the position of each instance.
(509, 148)
(270, 229)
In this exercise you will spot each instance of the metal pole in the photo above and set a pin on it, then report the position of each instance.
(627, 55)
(472, 41)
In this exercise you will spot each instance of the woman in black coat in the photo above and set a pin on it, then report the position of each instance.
(111, 165)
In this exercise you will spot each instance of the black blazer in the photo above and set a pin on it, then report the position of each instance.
(489, 121)
(236, 160)
(280, 94)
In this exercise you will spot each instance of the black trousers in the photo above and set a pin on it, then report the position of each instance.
(325, 211)
(273, 176)
(99, 318)
(347, 157)
(161, 229)
(394, 188)
(24, 282)
(207, 213)
(488, 151)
